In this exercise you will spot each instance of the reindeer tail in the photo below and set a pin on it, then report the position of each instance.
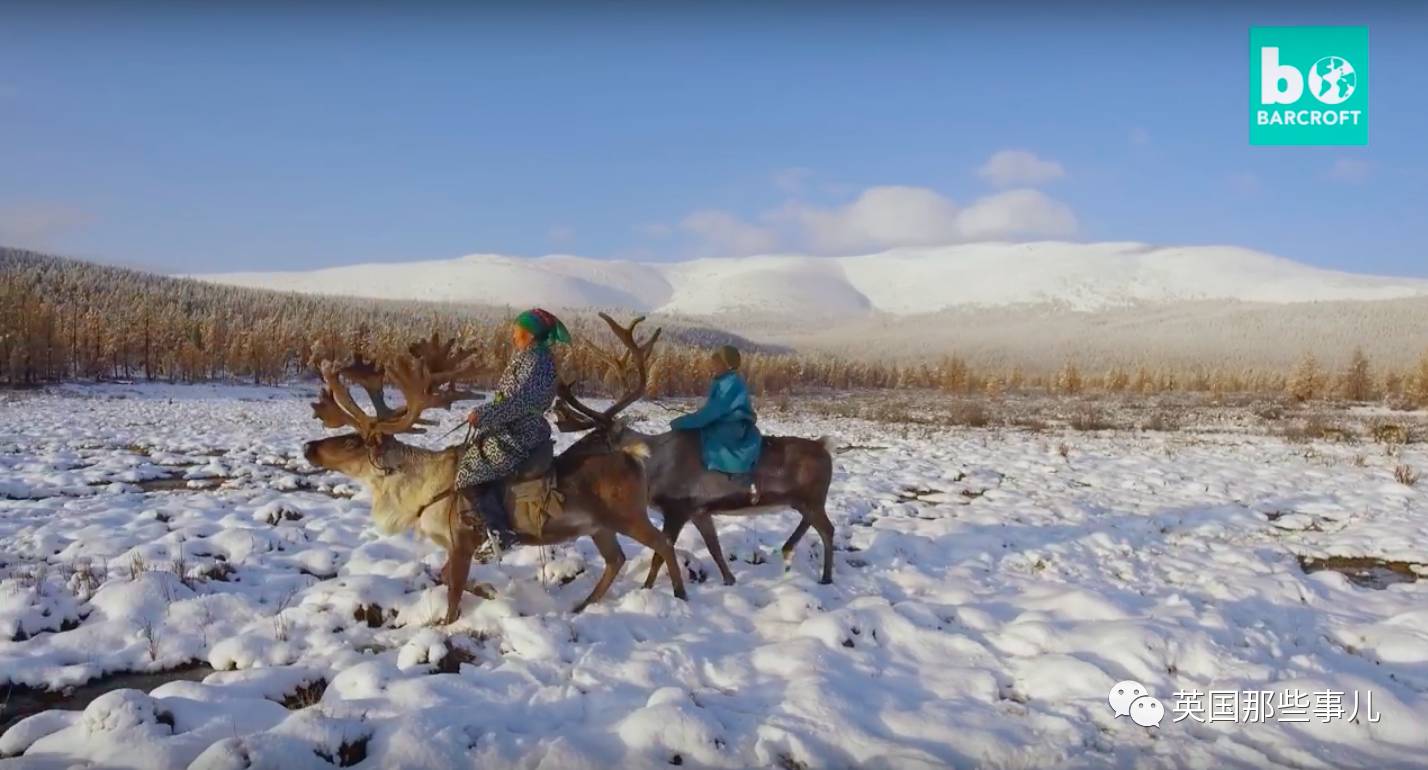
(829, 443)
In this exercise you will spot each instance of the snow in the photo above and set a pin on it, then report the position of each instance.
(1085, 276)
(979, 624)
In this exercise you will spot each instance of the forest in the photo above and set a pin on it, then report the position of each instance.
(64, 319)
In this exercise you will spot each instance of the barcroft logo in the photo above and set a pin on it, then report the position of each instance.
(1308, 85)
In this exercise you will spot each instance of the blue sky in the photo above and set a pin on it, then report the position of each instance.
(256, 137)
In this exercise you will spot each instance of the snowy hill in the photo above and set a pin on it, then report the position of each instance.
(1085, 276)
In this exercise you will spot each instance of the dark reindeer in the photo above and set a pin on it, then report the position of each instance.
(791, 473)
(604, 488)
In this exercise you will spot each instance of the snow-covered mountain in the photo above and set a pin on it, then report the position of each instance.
(1086, 276)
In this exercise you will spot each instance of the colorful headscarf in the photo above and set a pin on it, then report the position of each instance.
(544, 326)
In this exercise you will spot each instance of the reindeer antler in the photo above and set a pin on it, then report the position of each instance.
(370, 376)
(574, 415)
(426, 377)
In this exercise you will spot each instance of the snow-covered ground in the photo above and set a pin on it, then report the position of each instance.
(991, 586)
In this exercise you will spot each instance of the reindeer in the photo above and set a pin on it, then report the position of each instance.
(604, 490)
(792, 472)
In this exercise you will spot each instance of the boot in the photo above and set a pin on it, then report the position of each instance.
(488, 510)
(492, 505)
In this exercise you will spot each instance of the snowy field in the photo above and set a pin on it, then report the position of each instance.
(991, 586)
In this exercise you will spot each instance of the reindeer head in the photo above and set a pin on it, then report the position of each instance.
(427, 379)
(632, 367)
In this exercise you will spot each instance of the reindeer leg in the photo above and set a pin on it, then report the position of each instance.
(609, 547)
(705, 524)
(674, 521)
(824, 525)
(458, 567)
(792, 542)
(644, 533)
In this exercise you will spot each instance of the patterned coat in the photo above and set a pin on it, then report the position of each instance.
(513, 422)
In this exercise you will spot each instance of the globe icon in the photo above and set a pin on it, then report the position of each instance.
(1332, 80)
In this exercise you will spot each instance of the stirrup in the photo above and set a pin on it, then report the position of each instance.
(494, 548)
(490, 550)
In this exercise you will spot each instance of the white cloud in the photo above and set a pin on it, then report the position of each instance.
(38, 225)
(721, 234)
(1351, 170)
(1014, 215)
(1013, 168)
(879, 217)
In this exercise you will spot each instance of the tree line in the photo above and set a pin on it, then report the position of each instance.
(63, 319)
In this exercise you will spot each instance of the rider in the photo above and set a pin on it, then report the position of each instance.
(726, 422)
(513, 422)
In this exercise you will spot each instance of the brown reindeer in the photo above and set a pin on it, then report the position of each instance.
(604, 490)
(791, 473)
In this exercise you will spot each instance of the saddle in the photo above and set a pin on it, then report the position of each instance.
(531, 495)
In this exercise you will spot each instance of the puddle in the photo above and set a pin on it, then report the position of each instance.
(20, 702)
(1365, 571)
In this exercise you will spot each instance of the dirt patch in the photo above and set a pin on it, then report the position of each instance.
(306, 694)
(21, 702)
(373, 615)
(1366, 571)
(348, 754)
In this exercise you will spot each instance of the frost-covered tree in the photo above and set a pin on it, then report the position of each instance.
(1069, 380)
(1419, 392)
(1356, 381)
(1307, 381)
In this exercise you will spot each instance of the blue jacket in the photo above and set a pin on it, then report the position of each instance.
(725, 423)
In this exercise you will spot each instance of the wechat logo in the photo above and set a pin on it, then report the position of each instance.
(1131, 699)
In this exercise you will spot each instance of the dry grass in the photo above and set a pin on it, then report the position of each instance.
(1389, 433)
(1406, 475)
(970, 414)
(1162, 422)
(920, 413)
(1090, 418)
(1316, 428)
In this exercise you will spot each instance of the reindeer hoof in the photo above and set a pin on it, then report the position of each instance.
(728, 580)
(828, 581)
(681, 595)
